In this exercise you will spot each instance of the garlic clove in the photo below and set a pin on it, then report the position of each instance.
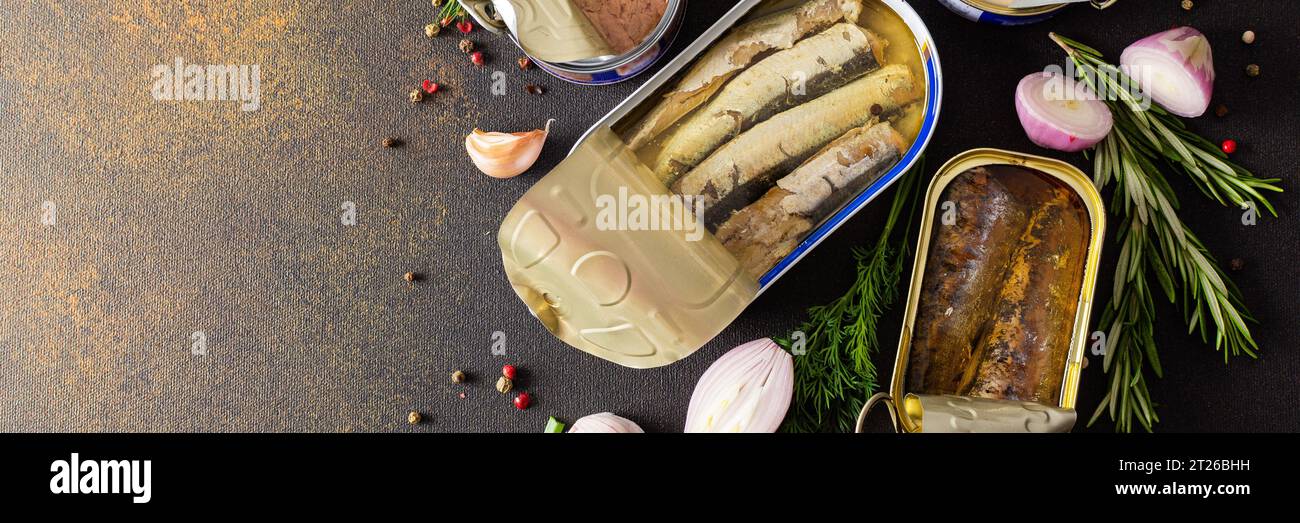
(747, 390)
(506, 155)
(605, 423)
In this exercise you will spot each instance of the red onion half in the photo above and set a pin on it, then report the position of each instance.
(1175, 67)
(1060, 113)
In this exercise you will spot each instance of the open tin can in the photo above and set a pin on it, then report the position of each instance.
(646, 297)
(564, 42)
(1010, 12)
(1015, 353)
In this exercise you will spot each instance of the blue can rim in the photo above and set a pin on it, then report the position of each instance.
(934, 97)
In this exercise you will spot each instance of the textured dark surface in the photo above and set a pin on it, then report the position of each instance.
(183, 217)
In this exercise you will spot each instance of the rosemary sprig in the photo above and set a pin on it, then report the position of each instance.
(833, 373)
(1154, 243)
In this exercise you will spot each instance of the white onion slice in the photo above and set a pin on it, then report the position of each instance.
(1060, 113)
(1175, 67)
(747, 390)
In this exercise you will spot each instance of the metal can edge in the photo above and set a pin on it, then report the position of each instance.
(1071, 176)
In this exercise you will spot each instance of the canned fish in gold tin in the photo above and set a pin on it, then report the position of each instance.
(1013, 12)
(998, 309)
(676, 210)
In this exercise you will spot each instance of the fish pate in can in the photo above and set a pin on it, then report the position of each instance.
(585, 41)
(1000, 299)
(676, 210)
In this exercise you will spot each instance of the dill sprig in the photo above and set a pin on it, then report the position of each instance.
(1154, 243)
(833, 371)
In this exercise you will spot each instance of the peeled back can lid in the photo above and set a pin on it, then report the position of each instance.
(932, 413)
(548, 30)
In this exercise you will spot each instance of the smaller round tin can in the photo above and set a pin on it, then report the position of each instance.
(1000, 13)
(546, 28)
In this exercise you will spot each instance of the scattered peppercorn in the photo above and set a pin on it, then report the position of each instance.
(504, 384)
(524, 63)
(534, 89)
(390, 143)
(410, 276)
(1221, 111)
(431, 30)
(1229, 146)
(876, 109)
(465, 26)
(476, 58)
(508, 371)
(417, 96)
(414, 418)
(1252, 70)
(461, 395)
(430, 86)
(1248, 37)
(1187, 5)
(523, 400)
(457, 377)
(466, 46)
(1237, 264)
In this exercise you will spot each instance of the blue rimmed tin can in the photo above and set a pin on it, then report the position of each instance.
(561, 41)
(1013, 12)
(646, 296)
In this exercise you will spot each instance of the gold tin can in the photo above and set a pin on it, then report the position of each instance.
(913, 412)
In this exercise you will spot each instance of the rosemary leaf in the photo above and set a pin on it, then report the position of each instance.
(1155, 243)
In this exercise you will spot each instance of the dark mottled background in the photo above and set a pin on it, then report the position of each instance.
(183, 217)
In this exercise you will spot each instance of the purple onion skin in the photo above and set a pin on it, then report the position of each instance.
(1050, 136)
(1200, 68)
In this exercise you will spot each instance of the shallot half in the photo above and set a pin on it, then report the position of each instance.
(747, 390)
(1060, 113)
(1174, 67)
(604, 423)
(506, 155)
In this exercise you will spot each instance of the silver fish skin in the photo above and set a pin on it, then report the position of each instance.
(813, 67)
(742, 169)
(847, 165)
(740, 48)
(764, 232)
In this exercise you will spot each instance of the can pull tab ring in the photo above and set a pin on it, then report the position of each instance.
(871, 402)
(484, 13)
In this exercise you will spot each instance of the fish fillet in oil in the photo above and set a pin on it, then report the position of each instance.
(739, 49)
(764, 232)
(811, 68)
(745, 167)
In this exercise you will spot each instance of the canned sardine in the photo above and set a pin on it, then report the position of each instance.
(585, 41)
(1013, 12)
(707, 143)
(1001, 293)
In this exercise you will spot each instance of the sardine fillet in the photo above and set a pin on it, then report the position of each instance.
(764, 232)
(1023, 355)
(743, 46)
(742, 169)
(967, 260)
(840, 170)
(811, 68)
